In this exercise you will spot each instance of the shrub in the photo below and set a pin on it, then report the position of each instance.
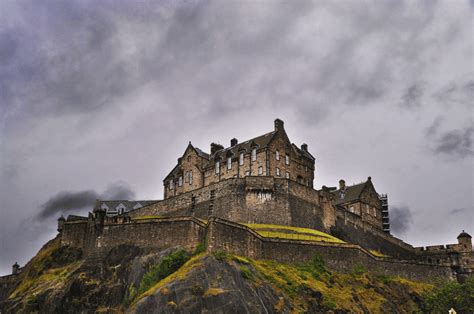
(315, 267)
(201, 247)
(246, 273)
(221, 255)
(168, 265)
(451, 295)
(359, 270)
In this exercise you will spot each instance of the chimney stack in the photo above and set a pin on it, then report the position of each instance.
(233, 142)
(215, 147)
(342, 184)
(304, 147)
(278, 125)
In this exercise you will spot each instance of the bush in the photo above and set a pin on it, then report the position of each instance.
(246, 273)
(201, 247)
(359, 270)
(449, 295)
(221, 255)
(168, 265)
(315, 267)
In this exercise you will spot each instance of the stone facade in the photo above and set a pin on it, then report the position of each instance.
(269, 155)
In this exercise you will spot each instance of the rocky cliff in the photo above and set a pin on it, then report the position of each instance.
(128, 279)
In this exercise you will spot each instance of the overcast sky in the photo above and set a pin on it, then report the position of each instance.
(99, 98)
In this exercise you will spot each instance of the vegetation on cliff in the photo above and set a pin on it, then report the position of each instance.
(292, 233)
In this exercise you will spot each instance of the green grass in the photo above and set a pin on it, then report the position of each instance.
(292, 233)
(377, 253)
(146, 217)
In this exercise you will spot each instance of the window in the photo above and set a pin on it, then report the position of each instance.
(287, 159)
(247, 173)
(241, 159)
(180, 181)
(186, 177)
(218, 166)
(254, 154)
(190, 173)
(351, 209)
(367, 208)
(375, 212)
(260, 170)
(287, 175)
(278, 172)
(171, 185)
(229, 163)
(306, 168)
(277, 155)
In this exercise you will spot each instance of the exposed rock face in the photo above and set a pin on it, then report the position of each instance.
(214, 286)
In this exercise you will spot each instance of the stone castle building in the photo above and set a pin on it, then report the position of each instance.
(212, 197)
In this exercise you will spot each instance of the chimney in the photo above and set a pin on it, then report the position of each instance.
(304, 147)
(15, 269)
(342, 184)
(233, 142)
(278, 125)
(215, 147)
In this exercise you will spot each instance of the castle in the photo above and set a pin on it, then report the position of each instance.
(217, 197)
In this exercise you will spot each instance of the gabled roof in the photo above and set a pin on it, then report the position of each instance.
(260, 141)
(352, 193)
(303, 152)
(129, 205)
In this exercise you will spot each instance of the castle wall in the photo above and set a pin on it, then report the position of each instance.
(251, 200)
(7, 283)
(351, 228)
(74, 233)
(183, 231)
(238, 239)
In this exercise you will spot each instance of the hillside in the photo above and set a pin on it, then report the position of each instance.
(128, 279)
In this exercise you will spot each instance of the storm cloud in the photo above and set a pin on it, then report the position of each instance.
(94, 92)
(66, 202)
(400, 219)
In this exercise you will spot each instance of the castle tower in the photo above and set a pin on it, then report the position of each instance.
(15, 268)
(465, 240)
(61, 221)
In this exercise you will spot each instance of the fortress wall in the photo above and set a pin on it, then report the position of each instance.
(154, 233)
(74, 233)
(7, 283)
(351, 228)
(252, 200)
(240, 240)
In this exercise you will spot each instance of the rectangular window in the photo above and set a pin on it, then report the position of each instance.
(229, 163)
(241, 159)
(260, 170)
(287, 175)
(351, 209)
(306, 168)
(287, 159)
(180, 181)
(254, 154)
(185, 177)
(171, 184)
(218, 167)
(190, 177)
(277, 155)
(367, 208)
(247, 173)
(278, 172)
(375, 212)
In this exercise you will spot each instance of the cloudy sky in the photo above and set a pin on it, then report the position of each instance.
(99, 98)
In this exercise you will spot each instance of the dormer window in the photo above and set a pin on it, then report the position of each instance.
(287, 159)
(277, 155)
(218, 166)
(229, 163)
(254, 154)
(241, 159)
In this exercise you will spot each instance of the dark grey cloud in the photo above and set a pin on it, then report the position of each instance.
(412, 97)
(400, 219)
(456, 143)
(66, 202)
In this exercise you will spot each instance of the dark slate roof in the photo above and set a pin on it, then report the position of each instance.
(303, 152)
(352, 193)
(259, 141)
(128, 205)
(75, 218)
(464, 234)
(201, 153)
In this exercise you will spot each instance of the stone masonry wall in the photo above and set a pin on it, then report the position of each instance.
(238, 239)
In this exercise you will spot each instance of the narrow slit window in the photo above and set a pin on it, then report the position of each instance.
(218, 166)
(287, 159)
(254, 154)
(229, 163)
(241, 159)
(277, 155)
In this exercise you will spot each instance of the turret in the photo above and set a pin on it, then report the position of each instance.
(15, 269)
(61, 221)
(465, 240)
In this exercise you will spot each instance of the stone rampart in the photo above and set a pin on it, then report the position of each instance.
(238, 239)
